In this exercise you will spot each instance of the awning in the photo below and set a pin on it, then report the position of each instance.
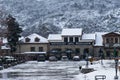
(55, 51)
(69, 51)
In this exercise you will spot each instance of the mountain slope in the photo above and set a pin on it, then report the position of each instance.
(50, 16)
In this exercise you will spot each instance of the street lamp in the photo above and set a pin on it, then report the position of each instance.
(116, 63)
(101, 55)
(86, 51)
(86, 60)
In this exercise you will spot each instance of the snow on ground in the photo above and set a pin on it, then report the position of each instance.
(107, 69)
(60, 70)
(33, 70)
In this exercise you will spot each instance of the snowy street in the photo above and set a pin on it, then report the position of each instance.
(33, 70)
(60, 70)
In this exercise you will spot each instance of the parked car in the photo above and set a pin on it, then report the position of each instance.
(41, 58)
(76, 58)
(52, 58)
(1, 67)
(8, 59)
(64, 58)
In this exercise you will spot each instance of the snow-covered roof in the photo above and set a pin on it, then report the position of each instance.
(72, 32)
(88, 36)
(4, 40)
(118, 33)
(86, 40)
(5, 47)
(54, 37)
(22, 37)
(32, 39)
(99, 39)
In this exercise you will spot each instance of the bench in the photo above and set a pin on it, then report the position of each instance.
(100, 77)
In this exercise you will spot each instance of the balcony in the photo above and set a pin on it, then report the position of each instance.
(112, 45)
(58, 43)
(71, 43)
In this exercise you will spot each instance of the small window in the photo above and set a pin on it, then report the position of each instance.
(32, 49)
(27, 40)
(37, 39)
(40, 49)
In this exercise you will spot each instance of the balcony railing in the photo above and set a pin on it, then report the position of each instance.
(71, 43)
(112, 45)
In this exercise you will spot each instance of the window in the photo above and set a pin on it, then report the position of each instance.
(76, 39)
(116, 40)
(40, 49)
(32, 49)
(107, 40)
(65, 39)
(27, 40)
(111, 40)
(86, 50)
(37, 39)
(71, 39)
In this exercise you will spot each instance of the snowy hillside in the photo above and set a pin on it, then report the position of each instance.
(49, 16)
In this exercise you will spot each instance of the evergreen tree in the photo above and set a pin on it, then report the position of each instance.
(14, 32)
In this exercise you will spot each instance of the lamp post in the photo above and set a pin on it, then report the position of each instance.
(86, 60)
(101, 55)
(116, 64)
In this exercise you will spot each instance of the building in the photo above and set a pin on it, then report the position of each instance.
(5, 49)
(98, 46)
(32, 46)
(111, 43)
(71, 42)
